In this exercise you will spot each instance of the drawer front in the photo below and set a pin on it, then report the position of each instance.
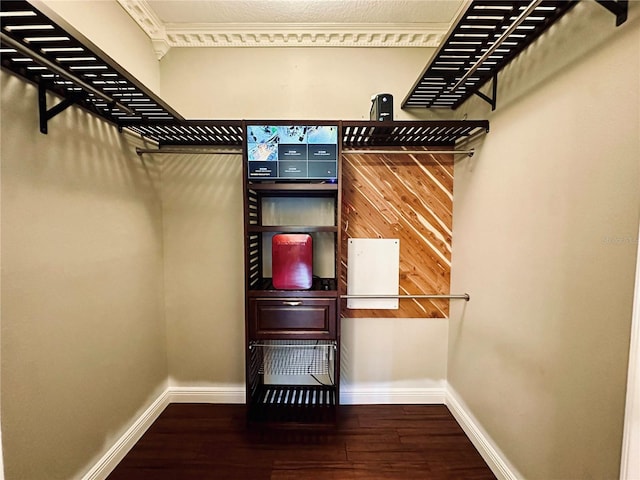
(292, 318)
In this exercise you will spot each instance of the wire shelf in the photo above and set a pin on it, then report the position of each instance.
(295, 357)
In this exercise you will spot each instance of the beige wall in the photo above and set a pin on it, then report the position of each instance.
(83, 335)
(204, 269)
(545, 235)
(287, 83)
(381, 357)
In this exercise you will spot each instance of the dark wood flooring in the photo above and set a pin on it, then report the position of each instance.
(373, 442)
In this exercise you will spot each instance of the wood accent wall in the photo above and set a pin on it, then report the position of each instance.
(409, 197)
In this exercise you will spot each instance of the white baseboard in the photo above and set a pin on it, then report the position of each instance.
(378, 395)
(348, 396)
(117, 452)
(109, 461)
(494, 457)
(226, 394)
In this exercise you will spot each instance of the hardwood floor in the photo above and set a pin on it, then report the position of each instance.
(373, 442)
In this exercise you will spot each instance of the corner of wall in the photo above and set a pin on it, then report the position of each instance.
(488, 449)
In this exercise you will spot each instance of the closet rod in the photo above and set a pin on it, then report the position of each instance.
(141, 151)
(200, 151)
(516, 23)
(411, 152)
(293, 345)
(62, 72)
(464, 296)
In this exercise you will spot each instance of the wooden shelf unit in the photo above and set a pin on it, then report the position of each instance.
(291, 321)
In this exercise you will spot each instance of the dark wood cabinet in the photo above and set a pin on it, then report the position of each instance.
(292, 336)
(293, 317)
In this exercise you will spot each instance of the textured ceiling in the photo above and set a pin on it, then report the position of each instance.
(306, 11)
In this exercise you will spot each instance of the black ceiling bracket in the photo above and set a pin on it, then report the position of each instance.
(46, 115)
(494, 93)
(618, 7)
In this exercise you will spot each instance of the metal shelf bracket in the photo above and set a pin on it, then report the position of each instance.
(46, 115)
(618, 7)
(494, 93)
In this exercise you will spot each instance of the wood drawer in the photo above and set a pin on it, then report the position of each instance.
(304, 318)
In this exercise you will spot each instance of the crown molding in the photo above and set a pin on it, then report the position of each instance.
(305, 35)
(165, 36)
(142, 13)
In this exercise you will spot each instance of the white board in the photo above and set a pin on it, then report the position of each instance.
(373, 266)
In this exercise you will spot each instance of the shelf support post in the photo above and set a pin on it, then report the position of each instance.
(46, 115)
(618, 7)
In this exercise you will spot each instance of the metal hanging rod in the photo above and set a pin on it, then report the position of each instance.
(197, 151)
(412, 152)
(141, 151)
(463, 296)
(6, 39)
(516, 23)
(293, 345)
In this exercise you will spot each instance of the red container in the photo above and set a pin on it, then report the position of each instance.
(292, 261)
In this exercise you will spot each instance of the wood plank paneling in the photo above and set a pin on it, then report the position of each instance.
(410, 197)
